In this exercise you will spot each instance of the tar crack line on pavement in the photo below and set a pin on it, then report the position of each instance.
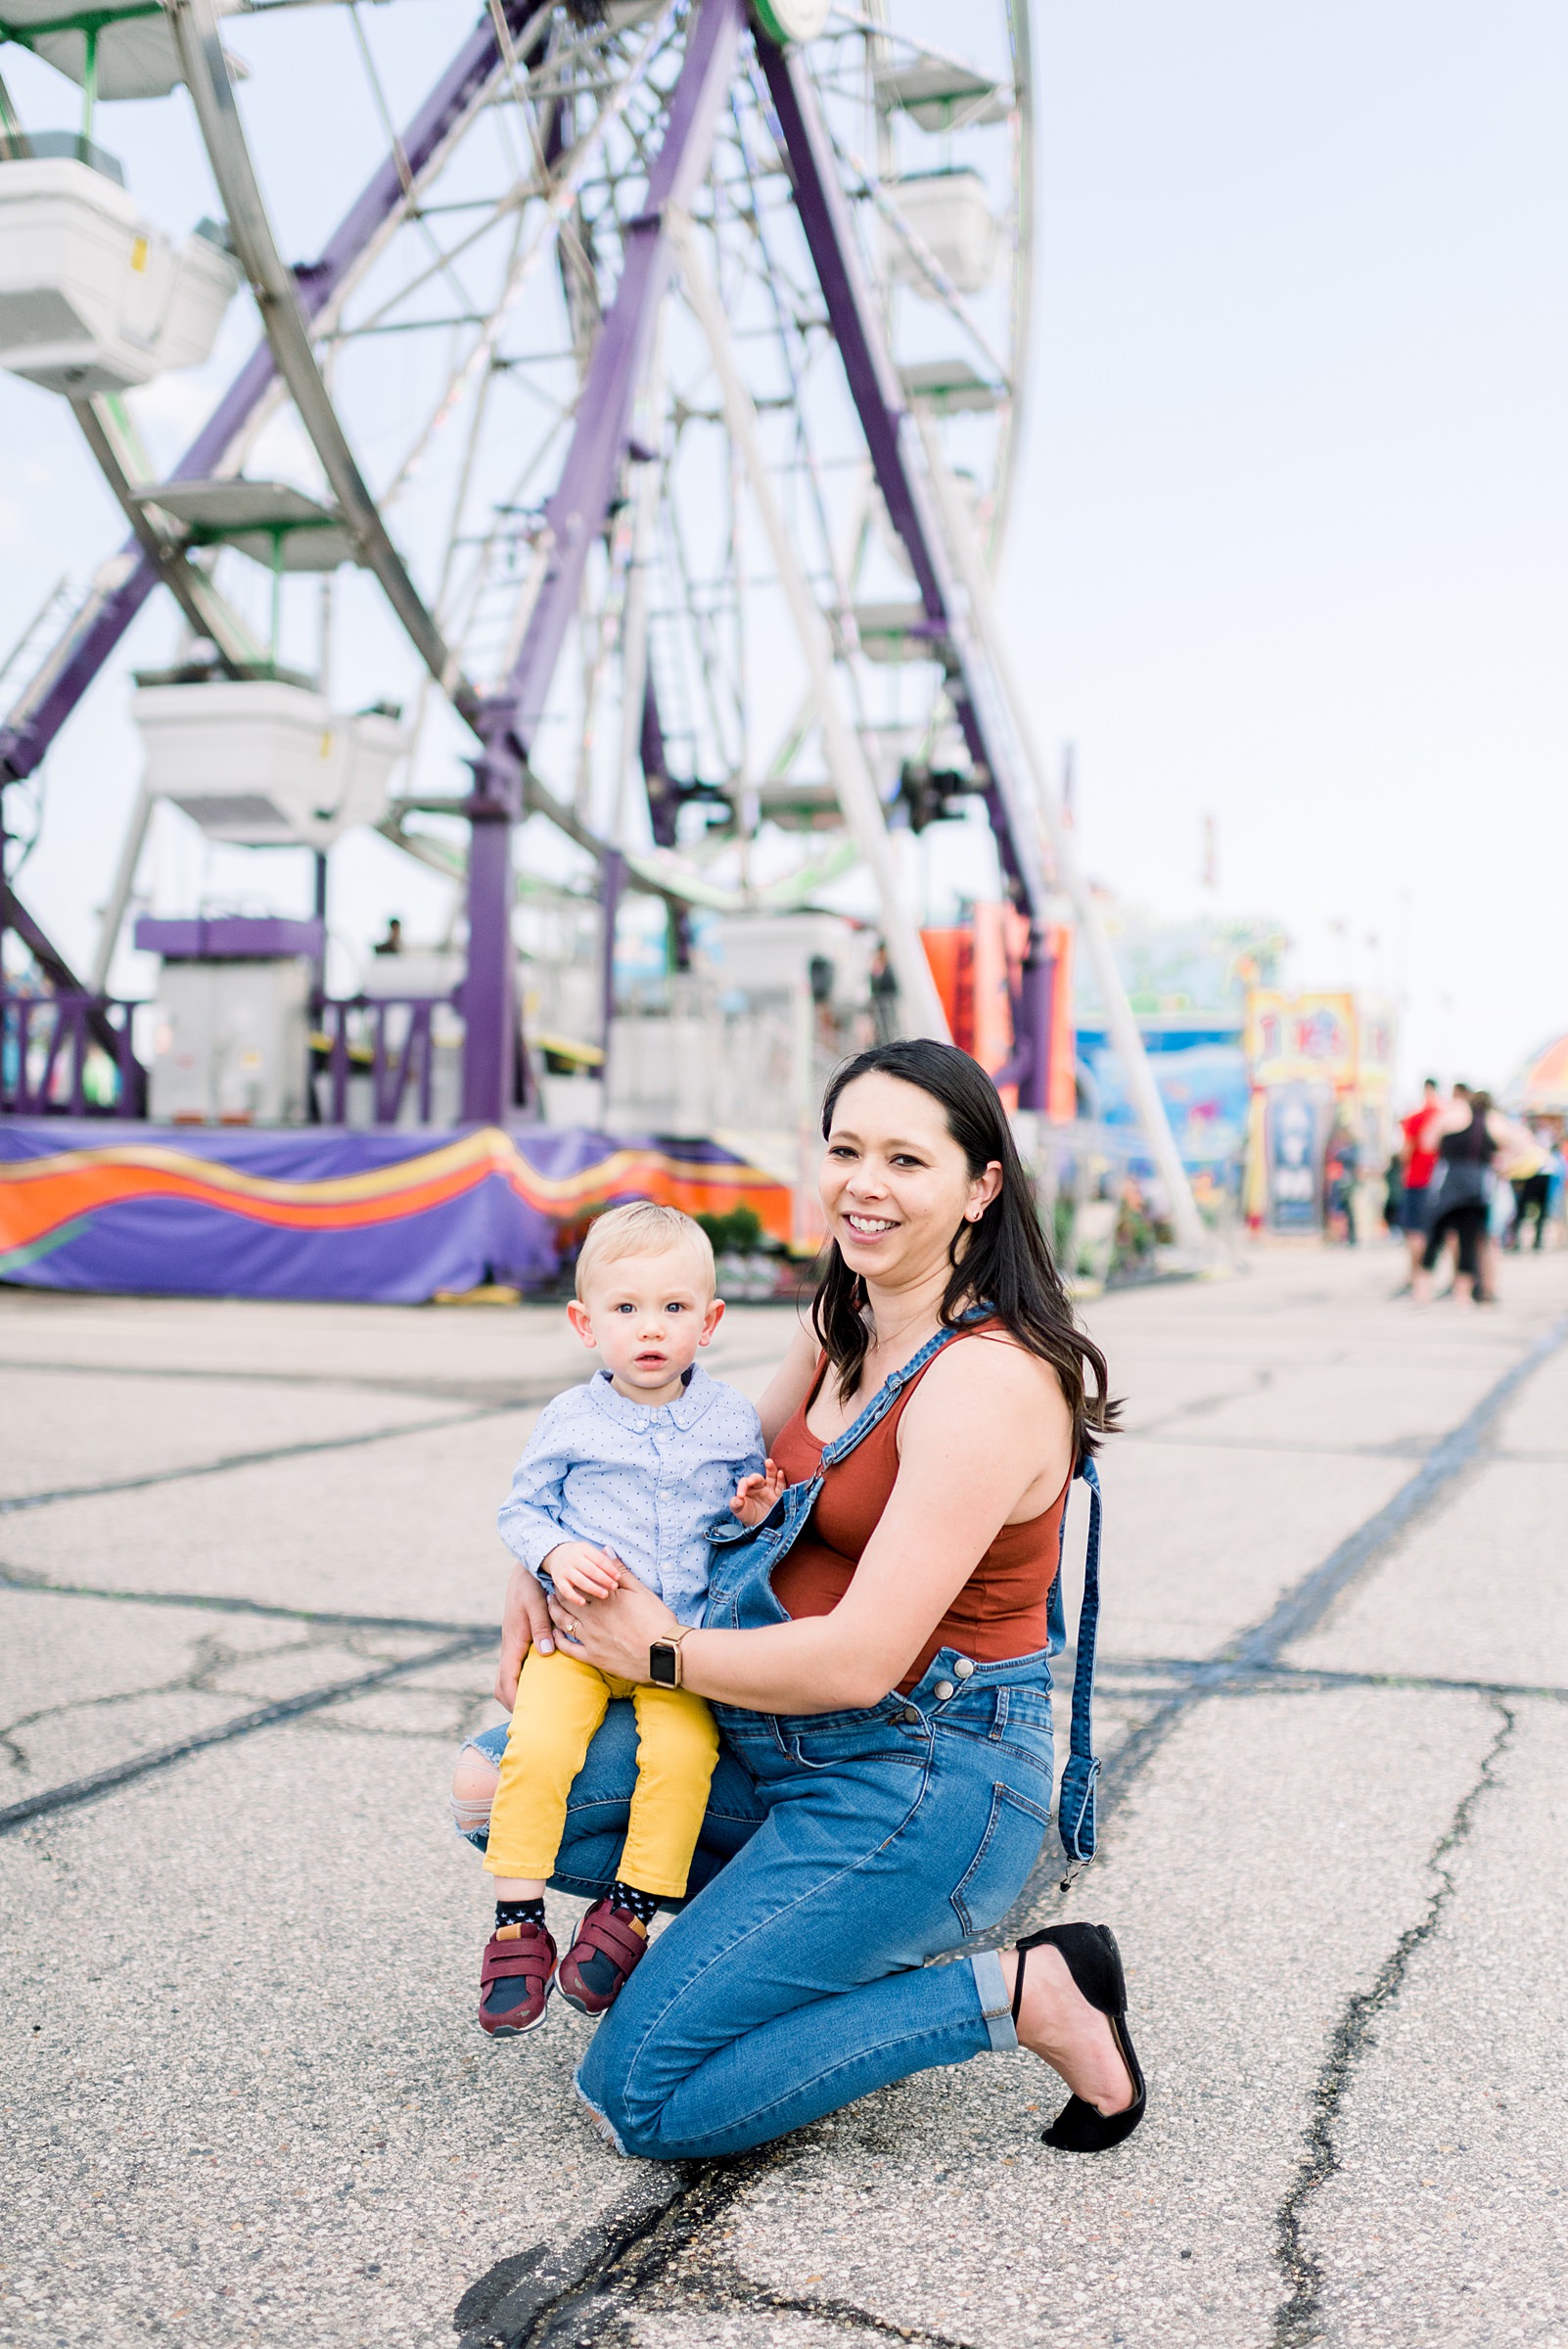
(535, 1392)
(645, 2253)
(247, 1460)
(1297, 2323)
(99, 1783)
(498, 1394)
(1307, 1680)
(38, 1586)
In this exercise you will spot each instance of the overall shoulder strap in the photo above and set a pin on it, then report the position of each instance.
(888, 1394)
(1076, 1818)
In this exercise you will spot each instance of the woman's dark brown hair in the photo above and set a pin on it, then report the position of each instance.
(1003, 1262)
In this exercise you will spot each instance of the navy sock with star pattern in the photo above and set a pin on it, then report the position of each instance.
(640, 1904)
(519, 1913)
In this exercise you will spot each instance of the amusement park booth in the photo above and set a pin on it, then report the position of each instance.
(1314, 1058)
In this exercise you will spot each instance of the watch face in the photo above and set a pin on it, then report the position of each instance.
(661, 1665)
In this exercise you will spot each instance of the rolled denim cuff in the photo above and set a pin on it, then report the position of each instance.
(995, 2007)
(600, 2121)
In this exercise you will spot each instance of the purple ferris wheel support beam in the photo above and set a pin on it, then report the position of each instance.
(885, 420)
(879, 399)
(99, 625)
(508, 722)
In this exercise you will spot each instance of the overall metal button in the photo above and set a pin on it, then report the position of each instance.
(963, 1666)
(943, 1690)
(910, 1712)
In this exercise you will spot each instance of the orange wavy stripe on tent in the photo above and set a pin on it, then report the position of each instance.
(29, 1211)
(650, 1172)
(653, 1176)
(771, 1203)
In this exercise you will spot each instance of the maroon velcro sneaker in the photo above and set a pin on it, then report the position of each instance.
(607, 1948)
(515, 1980)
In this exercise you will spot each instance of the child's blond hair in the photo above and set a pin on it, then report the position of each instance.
(644, 1228)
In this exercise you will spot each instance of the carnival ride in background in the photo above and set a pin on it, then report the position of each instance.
(665, 380)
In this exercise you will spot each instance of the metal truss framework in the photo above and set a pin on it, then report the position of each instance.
(599, 451)
(126, 583)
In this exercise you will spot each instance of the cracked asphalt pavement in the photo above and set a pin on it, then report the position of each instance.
(248, 1585)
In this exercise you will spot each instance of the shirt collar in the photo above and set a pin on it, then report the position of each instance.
(685, 1412)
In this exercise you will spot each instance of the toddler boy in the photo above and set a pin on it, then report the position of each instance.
(635, 1466)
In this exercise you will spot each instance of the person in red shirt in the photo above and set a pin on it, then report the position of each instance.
(1419, 1157)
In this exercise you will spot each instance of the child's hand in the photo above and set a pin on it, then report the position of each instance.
(581, 1573)
(756, 1496)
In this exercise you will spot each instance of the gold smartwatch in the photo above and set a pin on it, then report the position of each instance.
(663, 1662)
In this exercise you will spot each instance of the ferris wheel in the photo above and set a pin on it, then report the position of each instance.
(665, 380)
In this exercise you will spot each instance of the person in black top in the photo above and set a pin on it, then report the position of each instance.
(1470, 1134)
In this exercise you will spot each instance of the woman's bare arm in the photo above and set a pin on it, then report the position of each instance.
(975, 1441)
(789, 1386)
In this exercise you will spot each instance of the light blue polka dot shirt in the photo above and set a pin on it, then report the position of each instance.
(645, 1483)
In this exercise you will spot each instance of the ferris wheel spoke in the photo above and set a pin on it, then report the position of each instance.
(207, 75)
(702, 628)
(562, 196)
(846, 758)
(442, 259)
(461, 486)
(513, 202)
(772, 277)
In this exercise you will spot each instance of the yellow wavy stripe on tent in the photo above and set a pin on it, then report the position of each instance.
(488, 1148)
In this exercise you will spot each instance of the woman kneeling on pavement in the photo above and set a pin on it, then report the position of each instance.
(875, 1652)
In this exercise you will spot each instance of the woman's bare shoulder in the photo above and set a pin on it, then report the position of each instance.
(992, 1416)
(991, 1370)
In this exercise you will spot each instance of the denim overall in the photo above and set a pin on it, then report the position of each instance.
(880, 1838)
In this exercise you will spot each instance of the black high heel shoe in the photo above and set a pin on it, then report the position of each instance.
(1095, 1962)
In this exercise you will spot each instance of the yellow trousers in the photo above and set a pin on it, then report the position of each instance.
(561, 1702)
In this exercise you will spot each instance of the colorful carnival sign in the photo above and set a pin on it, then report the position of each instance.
(1301, 1040)
(373, 1218)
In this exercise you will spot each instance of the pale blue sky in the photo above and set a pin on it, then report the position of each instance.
(1290, 541)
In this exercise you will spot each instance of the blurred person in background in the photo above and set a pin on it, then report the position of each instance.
(1394, 1193)
(1341, 1164)
(1470, 1135)
(1525, 1170)
(884, 994)
(1418, 1159)
(1556, 1177)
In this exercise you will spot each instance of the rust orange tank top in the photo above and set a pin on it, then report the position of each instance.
(1001, 1610)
